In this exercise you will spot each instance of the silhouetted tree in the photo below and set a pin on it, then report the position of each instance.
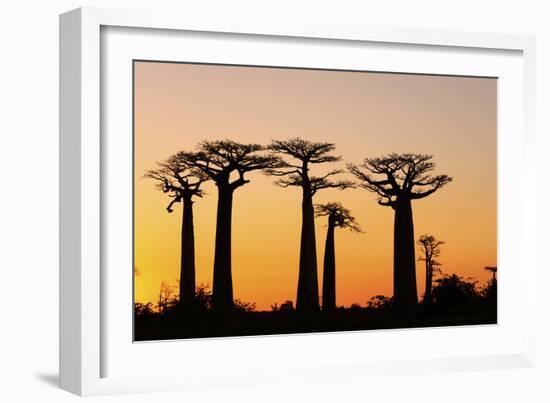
(492, 270)
(430, 248)
(164, 302)
(226, 162)
(400, 179)
(489, 292)
(338, 217)
(174, 178)
(298, 174)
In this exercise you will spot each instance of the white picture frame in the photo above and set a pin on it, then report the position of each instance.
(89, 337)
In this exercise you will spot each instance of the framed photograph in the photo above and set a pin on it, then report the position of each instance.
(254, 201)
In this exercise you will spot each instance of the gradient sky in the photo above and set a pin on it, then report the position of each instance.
(365, 115)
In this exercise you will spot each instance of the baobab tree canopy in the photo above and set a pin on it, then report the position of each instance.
(399, 175)
(339, 215)
(297, 173)
(175, 178)
(218, 159)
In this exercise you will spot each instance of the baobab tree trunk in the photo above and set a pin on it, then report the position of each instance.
(222, 291)
(429, 278)
(307, 300)
(187, 274)
(404, 263)
(329, 271)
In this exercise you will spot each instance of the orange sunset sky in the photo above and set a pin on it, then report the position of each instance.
(365, 115)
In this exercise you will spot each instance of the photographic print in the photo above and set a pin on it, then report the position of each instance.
(271, 200)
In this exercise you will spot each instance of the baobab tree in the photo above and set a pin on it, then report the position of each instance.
(182, 184)
(489, 292)
(303, 154)
(430, 248)
(226, 162)
(338, 217)
(493, 271)
(398, 180)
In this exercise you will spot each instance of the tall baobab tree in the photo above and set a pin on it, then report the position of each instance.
(398, 180)
(182, 184)
(303, 154)
(431, 249)
(338, 217)
(493, 271)
(226, 162)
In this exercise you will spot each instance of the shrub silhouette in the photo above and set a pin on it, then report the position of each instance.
(453, 293)
(379, 302)
(145, 311)
(243, 307)
(203, 298)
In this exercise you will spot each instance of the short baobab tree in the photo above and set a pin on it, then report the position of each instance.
(338, 217)
(182, 184)
(296, 173)
(493, 271)
(398, 179)
(489, 292)
(226, 162)
(430, 248)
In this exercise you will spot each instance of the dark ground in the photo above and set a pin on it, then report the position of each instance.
(205, 324)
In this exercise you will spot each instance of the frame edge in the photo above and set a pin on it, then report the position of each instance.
(70, 120)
